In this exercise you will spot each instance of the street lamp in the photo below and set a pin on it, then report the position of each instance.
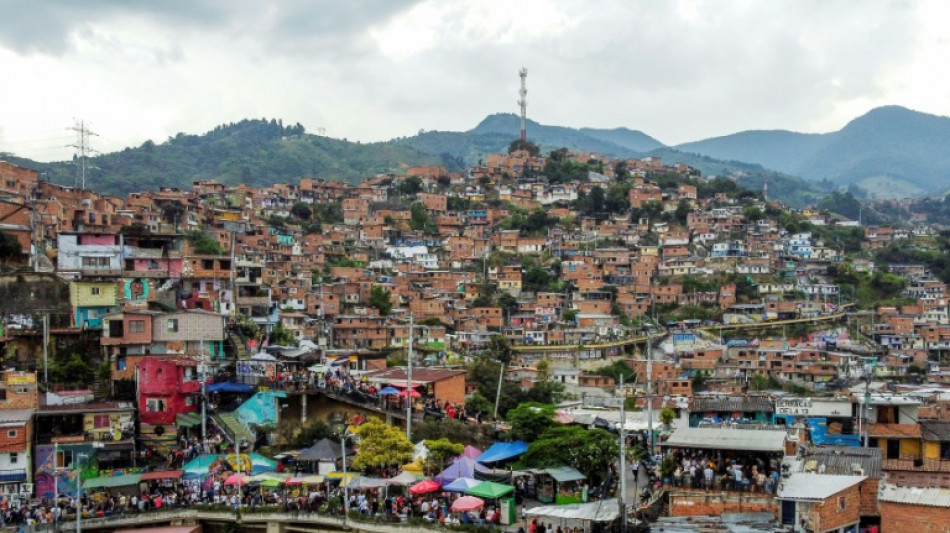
(341, 430)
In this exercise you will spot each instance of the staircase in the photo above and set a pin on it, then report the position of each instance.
(238, 343)
(233, 427)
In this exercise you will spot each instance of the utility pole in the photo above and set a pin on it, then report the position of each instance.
(623, 456)
(46, 351)
(649, 388)
(501, 375)
(408, 387)
(83, 150)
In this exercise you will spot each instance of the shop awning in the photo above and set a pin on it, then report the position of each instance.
(229, 387)
(501, 451)
(188, 420)
(490, 489)
(601, 511)
(727, 438)
(563, 474)
(162, 474)
(111, 482)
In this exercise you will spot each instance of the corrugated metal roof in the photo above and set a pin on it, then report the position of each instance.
(933, 430)
(929, 497)
(761, 404)
(815, 487)
(724, 438)
(841, 460)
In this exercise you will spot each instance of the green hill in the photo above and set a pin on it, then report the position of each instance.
(256, 152)
(906, 149)
(495, 133)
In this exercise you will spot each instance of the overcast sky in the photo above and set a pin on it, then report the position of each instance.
(372, 70)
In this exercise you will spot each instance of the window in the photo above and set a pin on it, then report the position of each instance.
(11, 433)
(94, 291)
(64, 458)
(95, 262)
(136, 326)
(191, 400)
(100, 421)
(120, 363)
(14, 458)
(173, 325)
(842, 503)
(155, 405)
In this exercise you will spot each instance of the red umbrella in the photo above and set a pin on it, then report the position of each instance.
(467, 503)
(236, 479)
(423, 487)
(415, 394)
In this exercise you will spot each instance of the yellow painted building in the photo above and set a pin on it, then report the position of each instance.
(91, 300)
(92, 293)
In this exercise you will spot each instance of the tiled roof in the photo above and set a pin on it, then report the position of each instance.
(894, 430)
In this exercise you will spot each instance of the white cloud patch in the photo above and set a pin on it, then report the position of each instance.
(376, 69)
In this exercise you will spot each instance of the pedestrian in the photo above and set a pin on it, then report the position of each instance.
(635, 467)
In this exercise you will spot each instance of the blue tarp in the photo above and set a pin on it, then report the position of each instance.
(229, 387)
(501, 451)
(462, 467)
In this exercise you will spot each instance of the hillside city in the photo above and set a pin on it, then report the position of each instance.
(751, 357)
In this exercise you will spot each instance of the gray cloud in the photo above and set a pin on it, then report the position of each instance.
(678, 70)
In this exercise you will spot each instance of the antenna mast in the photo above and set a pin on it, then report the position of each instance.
(82, 146)
(523, 102)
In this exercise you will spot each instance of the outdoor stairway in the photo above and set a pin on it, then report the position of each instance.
(238, 343)
(229, 423)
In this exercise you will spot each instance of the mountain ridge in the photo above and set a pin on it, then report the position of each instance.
(909, 149)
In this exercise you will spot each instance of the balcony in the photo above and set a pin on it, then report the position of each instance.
(253, 300)
(155, 274)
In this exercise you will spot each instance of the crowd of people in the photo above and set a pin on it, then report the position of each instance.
(726, 472)
(339, 381)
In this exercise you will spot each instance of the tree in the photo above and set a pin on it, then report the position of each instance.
(203, 243)
(476, 403)
(381, 299)
(381, 445)
(667, 416)
(420, 220)
(591, 451)
(517, 144)
(529, 420)
(439, 451)
(481, 435)
(682, 212)
(301, 210)
(281, 336)
(500, 349)
(410, 186)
